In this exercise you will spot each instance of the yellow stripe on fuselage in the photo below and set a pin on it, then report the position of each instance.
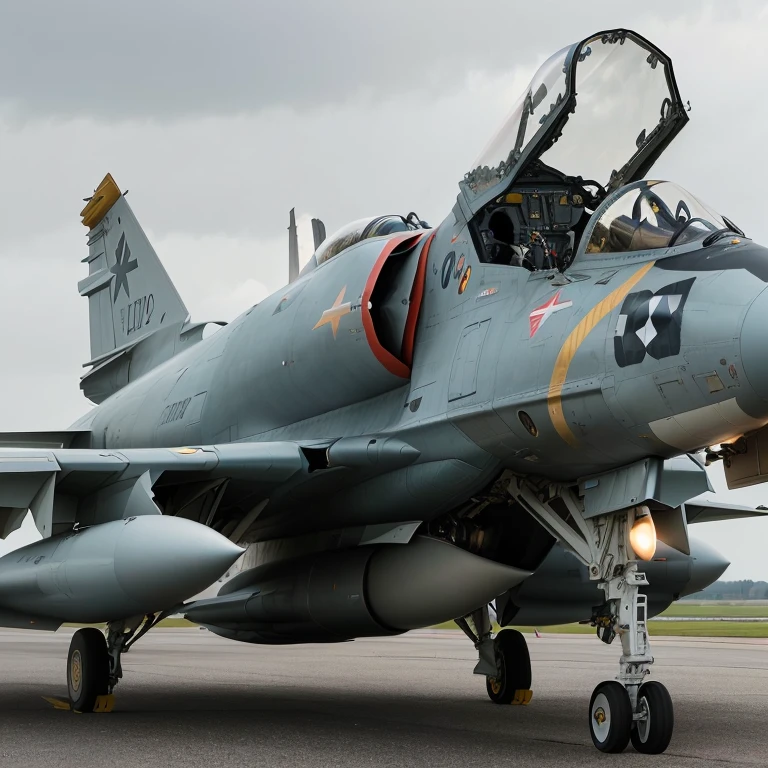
(574, 341)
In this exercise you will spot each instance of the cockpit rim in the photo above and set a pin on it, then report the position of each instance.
(363, 224)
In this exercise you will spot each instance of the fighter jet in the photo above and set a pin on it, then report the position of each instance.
(512, 407)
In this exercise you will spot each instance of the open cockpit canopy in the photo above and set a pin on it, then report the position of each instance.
(603, 109)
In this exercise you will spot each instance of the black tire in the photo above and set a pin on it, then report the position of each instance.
(610, 717)
(514, 667)
(652, 736)
(87, 669)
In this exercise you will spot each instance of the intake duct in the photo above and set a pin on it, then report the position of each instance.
(393, 295)
(362, 592)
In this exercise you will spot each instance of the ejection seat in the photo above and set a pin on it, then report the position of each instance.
(628, 234)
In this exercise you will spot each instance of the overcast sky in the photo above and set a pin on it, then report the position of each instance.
(220, 117)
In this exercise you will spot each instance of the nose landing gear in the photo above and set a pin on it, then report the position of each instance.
(613, 723)
(649, 721)
(627, 708)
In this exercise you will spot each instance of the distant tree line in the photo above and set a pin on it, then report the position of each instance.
(733, 590)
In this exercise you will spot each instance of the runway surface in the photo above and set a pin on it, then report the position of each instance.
(189, 698)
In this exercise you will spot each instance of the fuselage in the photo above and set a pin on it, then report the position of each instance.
(510, 368)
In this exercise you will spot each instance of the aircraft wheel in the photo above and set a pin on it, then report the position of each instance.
(514, 667)
(87, 669)
(610, 717)
(652, 735)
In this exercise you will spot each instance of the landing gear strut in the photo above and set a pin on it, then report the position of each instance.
(504, 660)
(94, 662)
(627, 708)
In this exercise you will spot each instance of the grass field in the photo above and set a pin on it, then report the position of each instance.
(674, 629)
(163, 623)
(668, 628)
(707, 611)
(683, 628)
(660, 629)
(176, 623)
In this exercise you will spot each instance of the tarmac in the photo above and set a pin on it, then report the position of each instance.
(189, 698)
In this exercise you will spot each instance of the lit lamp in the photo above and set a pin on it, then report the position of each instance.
(642, 537)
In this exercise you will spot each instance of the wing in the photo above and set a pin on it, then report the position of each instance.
(65, 487)
(704, 510)
(68, 486)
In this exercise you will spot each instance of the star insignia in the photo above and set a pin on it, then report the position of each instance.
(123, 265)
(333, 314)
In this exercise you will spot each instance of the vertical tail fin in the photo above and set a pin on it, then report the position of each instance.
(129, 292)
(293, 248)
(318, 232)
(318, 235)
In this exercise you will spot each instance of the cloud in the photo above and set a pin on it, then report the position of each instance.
(240, 175)
(165, 59)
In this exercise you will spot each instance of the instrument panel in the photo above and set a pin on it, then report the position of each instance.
(534, 226)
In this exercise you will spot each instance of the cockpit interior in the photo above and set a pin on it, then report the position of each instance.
(539, 222)
(563, 175)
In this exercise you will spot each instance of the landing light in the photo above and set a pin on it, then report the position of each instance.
(642, 537)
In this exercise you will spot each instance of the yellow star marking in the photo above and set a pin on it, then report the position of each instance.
(335, 313)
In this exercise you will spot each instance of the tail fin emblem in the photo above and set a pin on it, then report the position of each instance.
(123, 265)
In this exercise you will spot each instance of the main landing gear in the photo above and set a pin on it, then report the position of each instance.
(504, 660)
(87, 670)
(627, 708)
(94, 662)
(512, 682)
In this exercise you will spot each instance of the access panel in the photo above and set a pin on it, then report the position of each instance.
(463, 381)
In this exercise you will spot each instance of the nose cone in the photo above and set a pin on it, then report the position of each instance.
(753, 348)
(162, 560)
(707, 566)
